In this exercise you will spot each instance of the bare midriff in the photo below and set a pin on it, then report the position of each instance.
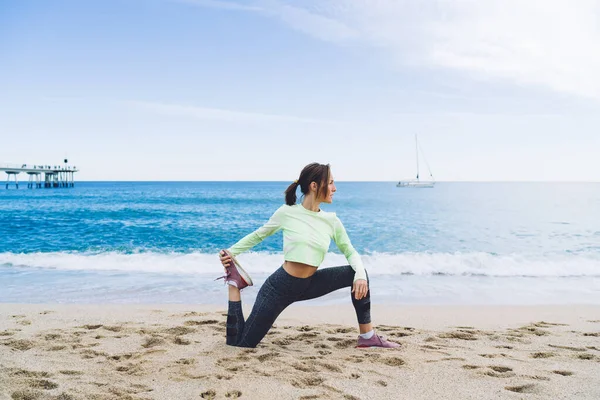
(299, 270)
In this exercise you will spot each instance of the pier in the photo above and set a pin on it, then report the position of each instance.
(54, 176)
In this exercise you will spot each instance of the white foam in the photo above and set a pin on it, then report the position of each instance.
(455, 264)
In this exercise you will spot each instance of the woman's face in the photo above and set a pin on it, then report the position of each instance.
(331, 190)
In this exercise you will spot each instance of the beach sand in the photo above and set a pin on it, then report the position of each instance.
(178, 352)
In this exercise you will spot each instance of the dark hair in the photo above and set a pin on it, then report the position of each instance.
(313, 172)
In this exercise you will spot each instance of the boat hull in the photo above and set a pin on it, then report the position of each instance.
(415, 185)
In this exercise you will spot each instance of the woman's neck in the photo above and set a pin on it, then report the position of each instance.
(311, 204)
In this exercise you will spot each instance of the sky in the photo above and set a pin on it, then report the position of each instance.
(194, 90)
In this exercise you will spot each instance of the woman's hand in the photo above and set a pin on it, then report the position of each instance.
(225, 259)
(360, 288)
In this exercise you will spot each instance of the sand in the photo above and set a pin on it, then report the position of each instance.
(178, 352)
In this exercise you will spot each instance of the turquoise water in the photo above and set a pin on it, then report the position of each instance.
(155, 242)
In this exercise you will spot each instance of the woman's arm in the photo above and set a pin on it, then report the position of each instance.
(274, 224)
(341, 239)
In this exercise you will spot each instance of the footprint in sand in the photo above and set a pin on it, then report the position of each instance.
(527, 388)
(267, 356)
(113, 328)
(178, 330)
(305, 328)
(152, 341)
(91, 327)
(306, 335)
(346, 343)
(562, 372)
(70, 372)
(52, 336)
(313, 380)
(392, 361)
(181, 341)
(42, 384)
(233, 394)
(544, 324)
(498, 371)
(536, 377)
(462, 335)
(531, 330)
(340, 330)
(29, 374)
(302, 367)
(500, 355)
(192, 314)
(88, 353)
(209, 394)
(399, 334)
(586, 356)
(119, 357)
(282, 342)
(542, 354)
(20, 344)
(193, 322)
(131, 368)
(355, 359)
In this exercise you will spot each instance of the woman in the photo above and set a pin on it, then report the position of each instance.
(307, 233)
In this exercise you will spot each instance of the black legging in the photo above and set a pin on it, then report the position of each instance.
(279, 291)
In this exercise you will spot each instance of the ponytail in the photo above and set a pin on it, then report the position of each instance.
(290, 193)
(313, 172)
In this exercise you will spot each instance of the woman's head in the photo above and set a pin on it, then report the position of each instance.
(315, 180)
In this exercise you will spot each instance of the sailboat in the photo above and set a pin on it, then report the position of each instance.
(418, 183)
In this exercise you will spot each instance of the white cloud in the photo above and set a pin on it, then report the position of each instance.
(218, 114)
(551, 44)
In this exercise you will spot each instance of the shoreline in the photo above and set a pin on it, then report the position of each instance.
(168, 351)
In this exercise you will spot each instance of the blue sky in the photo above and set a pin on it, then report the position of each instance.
(254, 90)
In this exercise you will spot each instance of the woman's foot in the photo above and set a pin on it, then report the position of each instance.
(236, 276)
(376, 341)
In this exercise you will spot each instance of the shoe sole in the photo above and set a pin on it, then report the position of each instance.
(243, 273)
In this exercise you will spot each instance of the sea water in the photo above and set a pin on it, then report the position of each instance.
(157, 242)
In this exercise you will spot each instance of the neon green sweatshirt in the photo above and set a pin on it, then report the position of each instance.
(306, 237)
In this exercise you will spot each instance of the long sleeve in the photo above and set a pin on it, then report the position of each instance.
(274, 224)
(341, 239)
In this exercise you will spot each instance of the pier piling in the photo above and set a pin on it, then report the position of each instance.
(55, 176)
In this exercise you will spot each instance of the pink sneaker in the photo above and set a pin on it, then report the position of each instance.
(376, 341)
(236, 275)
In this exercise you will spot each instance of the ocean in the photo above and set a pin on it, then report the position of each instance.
(157, 242)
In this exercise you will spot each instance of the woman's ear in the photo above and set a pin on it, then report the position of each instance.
(313, 186)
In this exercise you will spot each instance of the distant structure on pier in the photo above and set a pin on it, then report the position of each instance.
(55, 176)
